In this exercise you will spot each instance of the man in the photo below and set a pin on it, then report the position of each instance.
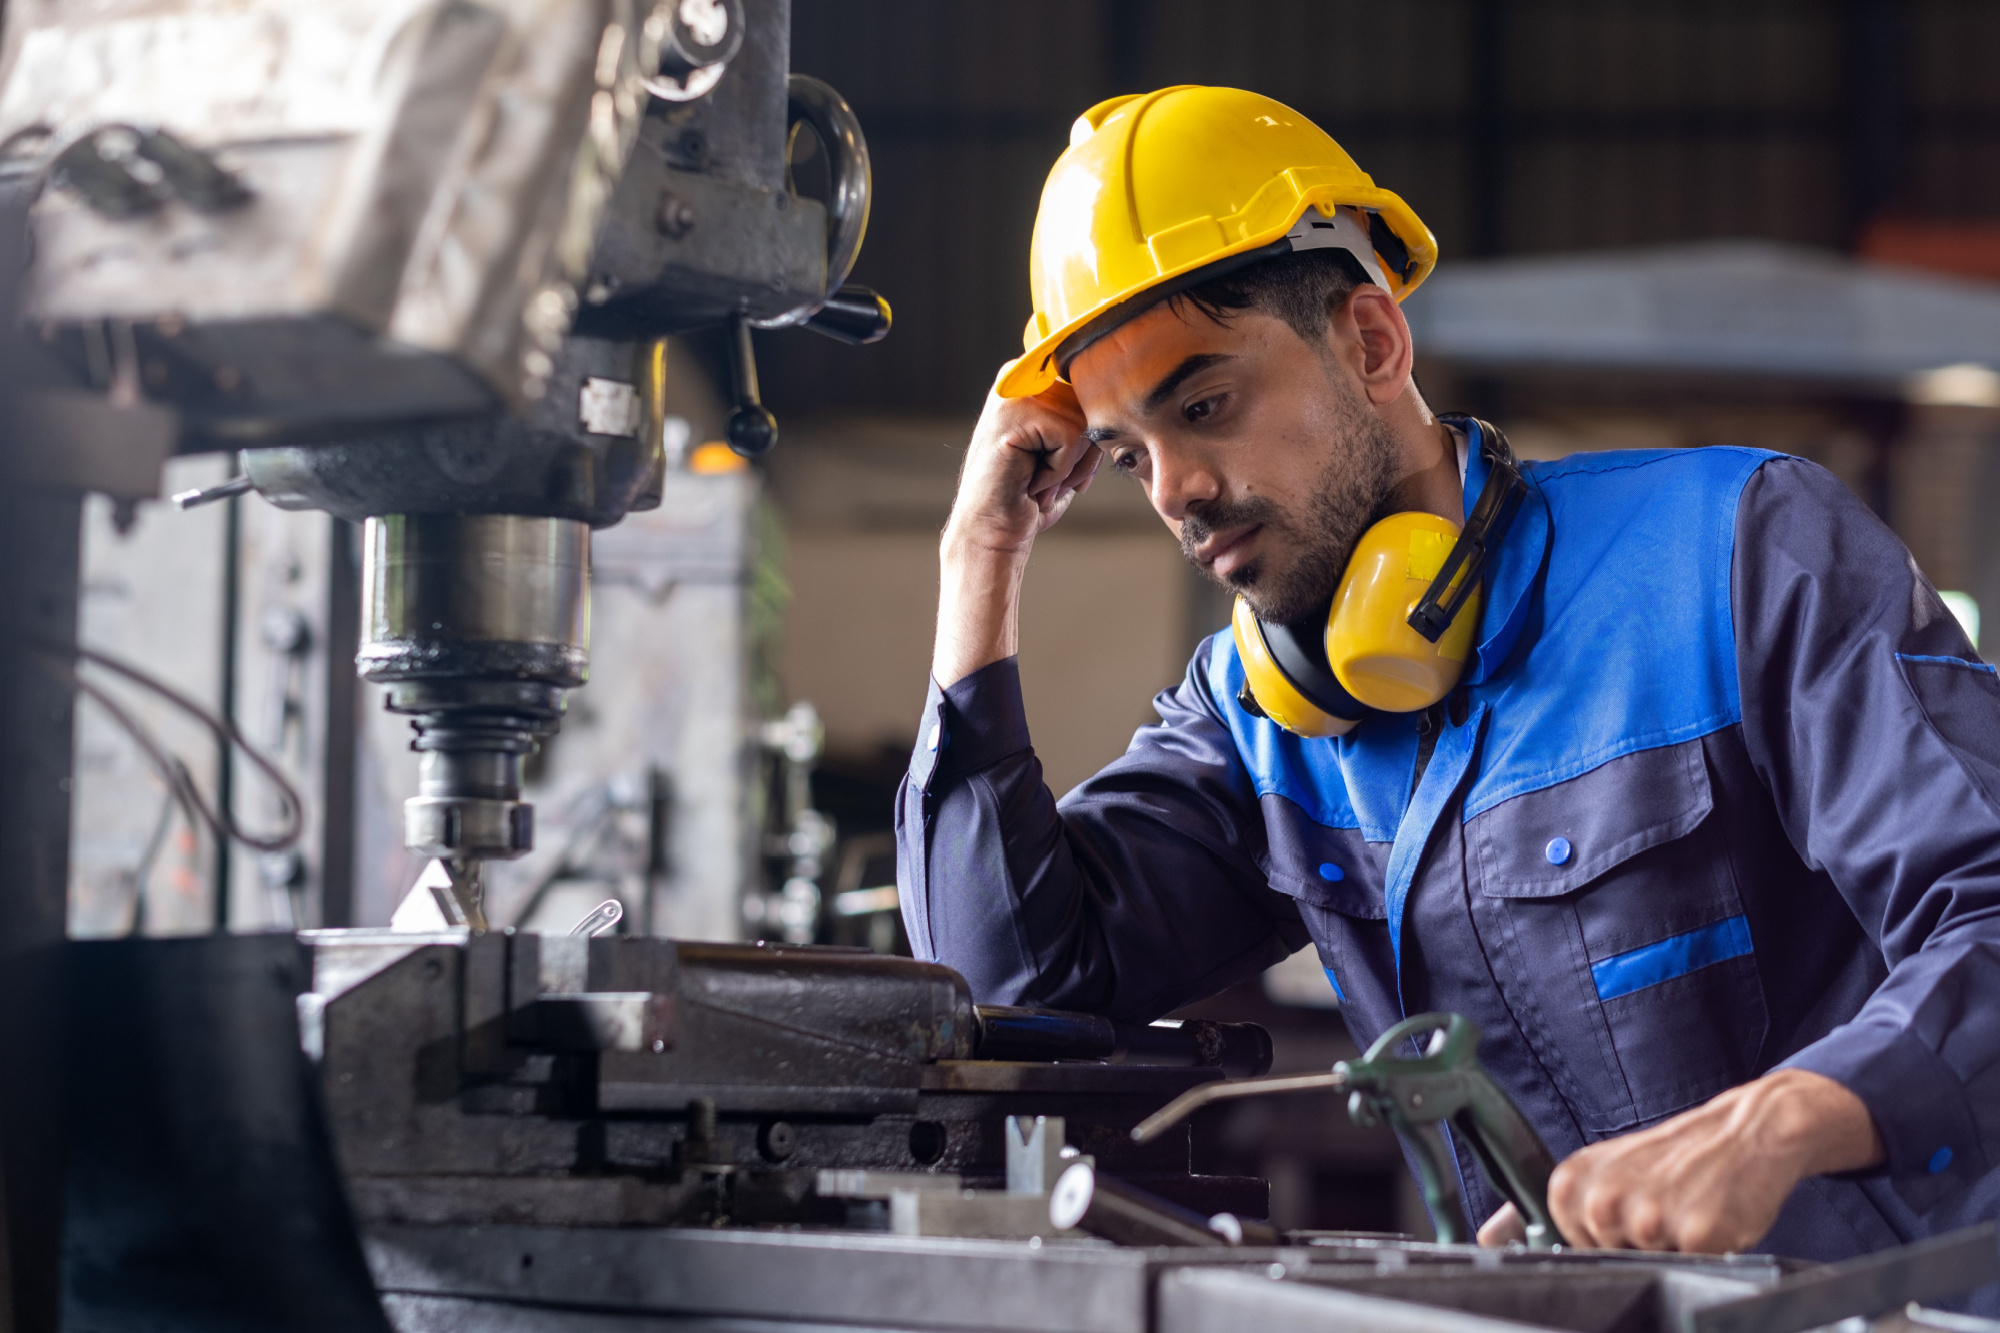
(1706, 836)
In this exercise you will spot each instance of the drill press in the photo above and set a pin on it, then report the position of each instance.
(476, 542)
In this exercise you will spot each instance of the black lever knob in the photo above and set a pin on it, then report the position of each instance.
(751, 429)
(854, 315)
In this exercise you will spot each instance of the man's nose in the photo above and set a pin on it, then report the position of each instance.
(1180, 479)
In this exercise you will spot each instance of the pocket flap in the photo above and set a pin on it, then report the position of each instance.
(1350, 897)
(1550, 842)
(1324, 867)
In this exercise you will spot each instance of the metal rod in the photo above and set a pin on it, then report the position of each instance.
(1084, 1200)
(1185, 1105)
(228, 490)
(225, 755)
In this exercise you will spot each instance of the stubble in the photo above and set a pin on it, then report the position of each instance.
(1312, 540)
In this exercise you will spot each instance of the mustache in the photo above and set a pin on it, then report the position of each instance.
(1198, 525)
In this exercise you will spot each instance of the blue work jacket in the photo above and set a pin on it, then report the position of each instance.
(1720, 792)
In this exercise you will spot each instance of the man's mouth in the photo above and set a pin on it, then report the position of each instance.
(1225, 553)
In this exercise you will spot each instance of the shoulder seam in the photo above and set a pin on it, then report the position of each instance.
(1592, 460)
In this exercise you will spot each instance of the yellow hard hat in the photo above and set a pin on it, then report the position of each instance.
(1159, 192)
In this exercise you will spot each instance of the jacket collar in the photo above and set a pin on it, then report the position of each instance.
(1512, 572)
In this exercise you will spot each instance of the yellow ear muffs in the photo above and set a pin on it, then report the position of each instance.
(1401, 624)
(1375, 653)
(1283, 682)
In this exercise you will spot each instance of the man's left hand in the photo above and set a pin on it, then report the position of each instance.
(1710, 1180)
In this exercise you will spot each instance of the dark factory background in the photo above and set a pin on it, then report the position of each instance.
(1511, 126)
(1515, 128)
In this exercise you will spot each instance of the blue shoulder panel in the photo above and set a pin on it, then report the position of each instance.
(1280, 763)
(1632, 644)
(1636, 646)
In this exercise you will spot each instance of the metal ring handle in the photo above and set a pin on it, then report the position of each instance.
(818, 105)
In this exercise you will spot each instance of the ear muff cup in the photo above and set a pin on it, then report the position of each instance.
(1374, 652)
(1285, 669)
(1321, 678)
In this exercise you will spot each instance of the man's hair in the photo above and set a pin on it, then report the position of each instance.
(1302, 289)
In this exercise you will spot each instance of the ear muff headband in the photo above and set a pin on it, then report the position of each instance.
(1499, 500)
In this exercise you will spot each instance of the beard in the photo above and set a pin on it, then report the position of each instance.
(1312, 541)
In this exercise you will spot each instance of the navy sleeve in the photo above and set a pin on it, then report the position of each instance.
(1876, 728)
(1139, 892)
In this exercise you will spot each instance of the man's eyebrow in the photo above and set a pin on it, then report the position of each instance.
(1194, 365)
(1178, 376)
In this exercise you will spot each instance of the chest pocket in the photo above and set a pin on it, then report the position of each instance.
(1335, 876)
(1617, 935)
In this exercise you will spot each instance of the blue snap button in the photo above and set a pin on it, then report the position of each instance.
(931, 741)
(1940, 1160)
(1557, 851)
(1329, 871)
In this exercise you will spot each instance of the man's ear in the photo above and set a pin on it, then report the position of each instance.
(1377, 342)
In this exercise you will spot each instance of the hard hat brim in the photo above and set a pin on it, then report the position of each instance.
(1038, 368)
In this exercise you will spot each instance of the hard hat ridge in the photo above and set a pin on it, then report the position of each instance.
(1341, 231)
(1162, 191)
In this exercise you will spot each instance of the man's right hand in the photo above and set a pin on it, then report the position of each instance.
(1028, 460)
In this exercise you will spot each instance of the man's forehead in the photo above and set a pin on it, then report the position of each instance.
(1120, 370)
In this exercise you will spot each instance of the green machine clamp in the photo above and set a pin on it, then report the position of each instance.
(1414, 1095)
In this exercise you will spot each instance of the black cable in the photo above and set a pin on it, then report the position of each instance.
(174, 772)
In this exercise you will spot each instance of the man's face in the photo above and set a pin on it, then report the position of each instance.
(1253, 444)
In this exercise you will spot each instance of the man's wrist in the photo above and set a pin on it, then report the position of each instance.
(968, 547)
(979, 600)
(1814, 1122)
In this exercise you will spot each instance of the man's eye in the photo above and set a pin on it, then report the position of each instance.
(1203, 408)
(1125, 460)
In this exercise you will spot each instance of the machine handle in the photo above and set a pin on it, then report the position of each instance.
(855, 315)
(751, 429)
(240, 484)
(1009, 1033)
(849, 314)
(815, 103)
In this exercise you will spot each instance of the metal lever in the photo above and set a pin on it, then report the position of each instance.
(1008, 1033)
(600, 918)
(1414, 1095)
(228, 490)
(854, 315)
(850, 314)
(815, 103)
(751, 429)
(1084, 1200)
